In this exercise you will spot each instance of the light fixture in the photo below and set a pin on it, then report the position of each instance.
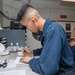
(69, 0)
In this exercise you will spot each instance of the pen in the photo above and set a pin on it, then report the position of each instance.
(27, 47)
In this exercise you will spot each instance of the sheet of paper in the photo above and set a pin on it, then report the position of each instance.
(10, 64)
(20, 53)
(17, 61)
(13, 72)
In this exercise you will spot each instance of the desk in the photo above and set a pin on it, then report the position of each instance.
(14, 56)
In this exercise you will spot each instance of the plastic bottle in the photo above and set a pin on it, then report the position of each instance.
(11, 46)
(17, 46)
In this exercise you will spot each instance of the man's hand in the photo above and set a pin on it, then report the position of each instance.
(27, 51)
(25, 59)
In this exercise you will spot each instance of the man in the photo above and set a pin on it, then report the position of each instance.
(72, 46)
(55, 54)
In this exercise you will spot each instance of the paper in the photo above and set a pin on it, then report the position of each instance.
(17, 61)
(13, 72)
(10, 64)
(20, 53)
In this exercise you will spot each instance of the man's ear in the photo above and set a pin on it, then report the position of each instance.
(34, 19)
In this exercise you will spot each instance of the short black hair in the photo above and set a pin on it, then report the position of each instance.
(71, 40)
(22, 11)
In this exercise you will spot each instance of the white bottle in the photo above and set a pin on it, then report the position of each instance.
(11, 46)
(17, 46)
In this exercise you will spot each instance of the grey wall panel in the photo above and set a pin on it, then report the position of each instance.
(14, 36)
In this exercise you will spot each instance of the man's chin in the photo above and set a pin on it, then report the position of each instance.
(35, 32)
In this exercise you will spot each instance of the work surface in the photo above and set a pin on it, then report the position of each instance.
(11, 67)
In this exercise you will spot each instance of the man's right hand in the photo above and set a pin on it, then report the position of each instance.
(27, 51)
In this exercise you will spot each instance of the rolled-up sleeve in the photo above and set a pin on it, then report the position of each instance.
(37, 52)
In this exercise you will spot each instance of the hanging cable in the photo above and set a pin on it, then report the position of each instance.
(6, 16)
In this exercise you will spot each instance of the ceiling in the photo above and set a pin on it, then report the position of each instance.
(44, 0)
(48, 0)
(52, 0)
(63, 3)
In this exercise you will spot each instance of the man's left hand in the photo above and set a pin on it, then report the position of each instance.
(25, 59)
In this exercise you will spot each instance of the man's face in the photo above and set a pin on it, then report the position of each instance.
(30, 25)
(72, 43)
